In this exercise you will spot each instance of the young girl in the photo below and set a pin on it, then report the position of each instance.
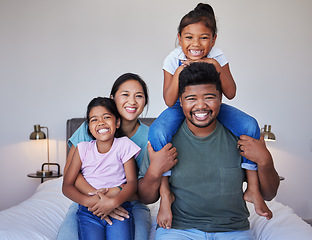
(106, 162)
(197, 34)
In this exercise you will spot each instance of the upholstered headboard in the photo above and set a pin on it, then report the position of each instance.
(74, 123)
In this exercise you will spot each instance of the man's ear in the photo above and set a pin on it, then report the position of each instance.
(118, 123)
(111, 97)
(180, 101)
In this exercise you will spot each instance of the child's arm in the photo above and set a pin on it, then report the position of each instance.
(171, 86)
(81, 184)
(227, 82)
(171, 82)
(69, 180)
(107, 204)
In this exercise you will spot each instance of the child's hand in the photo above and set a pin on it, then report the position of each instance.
(186, 62)
(211, 61)
(102, 190)
(92, 200)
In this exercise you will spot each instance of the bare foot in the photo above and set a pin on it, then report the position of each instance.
(164, 216)
(260, 206)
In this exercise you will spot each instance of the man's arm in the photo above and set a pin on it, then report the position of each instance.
(256, 151)
(154, 164)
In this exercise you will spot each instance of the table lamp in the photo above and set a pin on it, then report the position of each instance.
(267, 134)
(37, 134)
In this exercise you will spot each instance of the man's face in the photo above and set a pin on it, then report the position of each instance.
(201, 105)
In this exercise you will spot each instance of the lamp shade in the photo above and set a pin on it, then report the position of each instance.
(267, 134)
(37, 133)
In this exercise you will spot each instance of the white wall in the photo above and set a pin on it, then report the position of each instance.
(57, 55)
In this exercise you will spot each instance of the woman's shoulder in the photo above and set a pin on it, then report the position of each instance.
(80, 135)
(140, 137)
(143, 126)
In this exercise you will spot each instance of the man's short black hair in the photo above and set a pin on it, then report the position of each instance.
(199, 73)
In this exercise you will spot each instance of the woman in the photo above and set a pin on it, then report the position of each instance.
(131, 96)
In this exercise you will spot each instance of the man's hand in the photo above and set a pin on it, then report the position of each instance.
(254, 149)
(163, 160)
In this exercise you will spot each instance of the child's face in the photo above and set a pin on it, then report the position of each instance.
(196, 41)
(102, 124)
(130, 100)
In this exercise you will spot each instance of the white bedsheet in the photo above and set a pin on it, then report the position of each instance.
(40, 216)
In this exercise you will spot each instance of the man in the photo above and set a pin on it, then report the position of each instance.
(207, 180)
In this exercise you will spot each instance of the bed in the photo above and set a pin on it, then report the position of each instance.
(40, 216)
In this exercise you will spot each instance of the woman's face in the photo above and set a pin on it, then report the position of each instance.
(130, 100)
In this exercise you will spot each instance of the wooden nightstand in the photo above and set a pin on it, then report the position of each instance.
(55, 174)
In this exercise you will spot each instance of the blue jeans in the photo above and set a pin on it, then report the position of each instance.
(194, 234)
(169, 121)
(93, 228)
(140, 212)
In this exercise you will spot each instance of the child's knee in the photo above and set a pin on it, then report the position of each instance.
(252, 128)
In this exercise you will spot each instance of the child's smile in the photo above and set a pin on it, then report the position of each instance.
(196, 41)
(103, 124)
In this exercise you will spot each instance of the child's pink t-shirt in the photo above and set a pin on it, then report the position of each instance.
(105, 170)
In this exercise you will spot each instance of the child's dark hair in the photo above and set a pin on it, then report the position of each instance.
(199, 73)
(110, 105)
(202, 13)
(126, 77)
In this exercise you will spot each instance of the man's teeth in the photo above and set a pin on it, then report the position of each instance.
(200, 115)
(104, 130)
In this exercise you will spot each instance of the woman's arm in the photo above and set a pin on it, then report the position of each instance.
(69, 180)
(107, 204)
(256, 151)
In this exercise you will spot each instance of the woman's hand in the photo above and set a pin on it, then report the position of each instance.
(104, 206)
(118, 213)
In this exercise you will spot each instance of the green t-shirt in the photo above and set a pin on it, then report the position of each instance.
(207, 182)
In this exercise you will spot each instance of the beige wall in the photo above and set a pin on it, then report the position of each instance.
(57, 55)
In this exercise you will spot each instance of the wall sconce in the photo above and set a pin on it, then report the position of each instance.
(37, 135)
(267, 134)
